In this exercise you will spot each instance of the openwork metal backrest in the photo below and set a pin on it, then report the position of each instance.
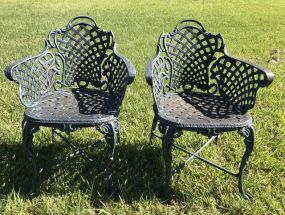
(190, 59)
(191, 50)
(183, 57)
(81, 54)
(84, 47)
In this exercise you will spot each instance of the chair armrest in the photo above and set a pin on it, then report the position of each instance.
(239, 80)
(35, 76)
(131, 69)
(9, 69)
(268, 74)
(149, 68)
(148, 72)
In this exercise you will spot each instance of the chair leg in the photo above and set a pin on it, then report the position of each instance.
(112, 138)
(117, 129)
(153, 127)
(167, 147)
(28, 130)
(249, 139)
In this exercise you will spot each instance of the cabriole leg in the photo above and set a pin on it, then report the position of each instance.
(167, 147)
(28, 130)
(248, 133)
(112, 141)
(111, 131)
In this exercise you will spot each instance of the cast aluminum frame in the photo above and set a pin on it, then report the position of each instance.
(78, 80)
(198, 87)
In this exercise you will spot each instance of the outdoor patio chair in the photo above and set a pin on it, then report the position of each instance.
(198, 87)
(77, 81)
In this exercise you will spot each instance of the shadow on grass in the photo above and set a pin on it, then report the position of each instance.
(138, 171)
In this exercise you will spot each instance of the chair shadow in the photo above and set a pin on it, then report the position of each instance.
(138, 171)
(14, 170)
(211, 106)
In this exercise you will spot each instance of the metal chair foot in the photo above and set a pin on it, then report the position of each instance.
(165, 198)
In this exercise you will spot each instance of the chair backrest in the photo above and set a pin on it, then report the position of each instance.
(90, 57)
(191, 50)
(190, 58)
(80, 55)
(84, 46)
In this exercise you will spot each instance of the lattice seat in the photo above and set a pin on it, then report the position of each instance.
(198, 87)
(79, 80)
(73, 107)
(200, 110)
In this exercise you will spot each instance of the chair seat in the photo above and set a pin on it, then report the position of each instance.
(200, 110)
(73, 106)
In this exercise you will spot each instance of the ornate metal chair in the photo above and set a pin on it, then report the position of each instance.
(78, 80)
(198, 87)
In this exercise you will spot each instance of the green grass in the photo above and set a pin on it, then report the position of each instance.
(252, 30)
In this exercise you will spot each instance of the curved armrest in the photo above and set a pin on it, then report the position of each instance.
(8, 71)
(131, 69)
(119, 72)
(148, 70)
(268, 74)
(35, 76)
(240, 80)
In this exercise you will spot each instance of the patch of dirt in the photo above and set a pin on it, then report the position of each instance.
(277, 56)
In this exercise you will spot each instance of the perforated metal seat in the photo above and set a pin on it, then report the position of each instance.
(198, 87)
(200, 110)
(74, 107)
(78, 80)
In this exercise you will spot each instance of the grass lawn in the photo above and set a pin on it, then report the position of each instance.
(253, 30)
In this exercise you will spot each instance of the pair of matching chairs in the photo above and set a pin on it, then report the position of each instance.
(79, 80)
